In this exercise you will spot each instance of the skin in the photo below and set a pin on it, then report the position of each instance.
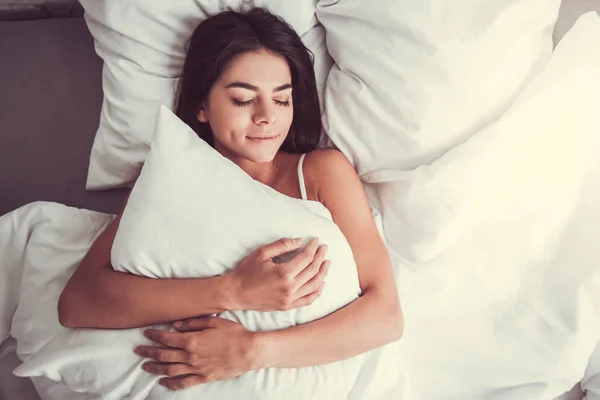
(251, 99)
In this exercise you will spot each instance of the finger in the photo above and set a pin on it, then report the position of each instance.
(311, 269)
(168, 369)
(169, 339)
(309, 298)
(304, 258)
(162, 354)
(183, 382)
(282, 246)
(315, 282)
(198, 324)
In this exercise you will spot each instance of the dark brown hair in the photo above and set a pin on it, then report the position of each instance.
(220, 38)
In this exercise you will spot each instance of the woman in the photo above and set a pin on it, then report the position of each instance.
(248, 89)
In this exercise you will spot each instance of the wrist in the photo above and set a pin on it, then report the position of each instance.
(229, 290)
(263, 345)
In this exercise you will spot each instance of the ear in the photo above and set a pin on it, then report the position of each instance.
(202, 117)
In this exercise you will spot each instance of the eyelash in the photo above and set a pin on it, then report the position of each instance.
(247, 103)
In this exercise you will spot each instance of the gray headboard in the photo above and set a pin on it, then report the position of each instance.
(50, 99)
(18, 10)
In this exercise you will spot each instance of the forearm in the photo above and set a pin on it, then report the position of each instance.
(371, 321)
(112, 299)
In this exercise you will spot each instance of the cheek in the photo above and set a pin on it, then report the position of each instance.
(287, 116)
(227, 119)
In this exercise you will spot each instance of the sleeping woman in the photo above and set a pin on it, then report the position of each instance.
(248, 89)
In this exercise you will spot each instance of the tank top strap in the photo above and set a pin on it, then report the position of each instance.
(301, 177)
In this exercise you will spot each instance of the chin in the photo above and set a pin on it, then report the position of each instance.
(261, 158)
(262, 152)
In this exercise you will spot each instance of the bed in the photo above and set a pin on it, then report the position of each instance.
(50, 99)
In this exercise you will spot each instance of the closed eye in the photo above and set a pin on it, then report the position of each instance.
(242, 103)
(282, 103)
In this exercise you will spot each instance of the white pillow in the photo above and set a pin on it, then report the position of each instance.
(412, 79)
(142, 44)
(496, 241)
(193, 213)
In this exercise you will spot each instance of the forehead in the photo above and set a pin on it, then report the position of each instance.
(259, 68)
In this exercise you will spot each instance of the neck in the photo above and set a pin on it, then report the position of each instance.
(265, 172)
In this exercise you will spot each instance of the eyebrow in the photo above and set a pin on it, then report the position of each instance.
(248, 86)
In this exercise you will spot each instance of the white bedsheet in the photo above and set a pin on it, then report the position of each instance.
(497, 241)
(15, 388)
(49, 235)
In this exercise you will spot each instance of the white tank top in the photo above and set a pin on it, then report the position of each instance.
(301, 177)
(319, 208)
(314, 205)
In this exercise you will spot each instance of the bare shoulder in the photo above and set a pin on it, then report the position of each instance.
(324, 162)
(327, 170)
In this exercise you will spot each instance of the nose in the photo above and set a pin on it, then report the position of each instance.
(264, 114)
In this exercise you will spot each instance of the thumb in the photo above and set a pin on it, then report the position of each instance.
(196, 324)
(281, 246)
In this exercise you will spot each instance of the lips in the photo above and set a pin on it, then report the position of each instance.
(263, 137)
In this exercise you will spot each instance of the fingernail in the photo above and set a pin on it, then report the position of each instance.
(137, 351)
(297, 240)
(145, 367)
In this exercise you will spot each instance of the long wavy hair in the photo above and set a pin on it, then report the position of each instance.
(222, 37)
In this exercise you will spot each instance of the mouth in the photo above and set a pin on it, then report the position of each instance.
(263, 138)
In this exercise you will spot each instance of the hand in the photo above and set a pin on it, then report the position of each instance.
(203, 350)
(260, 284)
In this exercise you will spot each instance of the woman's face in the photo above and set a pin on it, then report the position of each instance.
(249, 108)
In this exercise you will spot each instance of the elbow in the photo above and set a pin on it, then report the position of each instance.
(395, 324)
(390, 319)
(398, 328)
(67, 315)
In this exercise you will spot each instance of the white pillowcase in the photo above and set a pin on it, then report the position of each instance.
(496, 241)
(412, 79)
(142, 44)
(193, 213)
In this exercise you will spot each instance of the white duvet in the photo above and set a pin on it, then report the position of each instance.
(42, 243)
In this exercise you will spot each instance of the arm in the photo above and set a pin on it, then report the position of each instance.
(375, 318)
(96, 296)
(211, 348)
